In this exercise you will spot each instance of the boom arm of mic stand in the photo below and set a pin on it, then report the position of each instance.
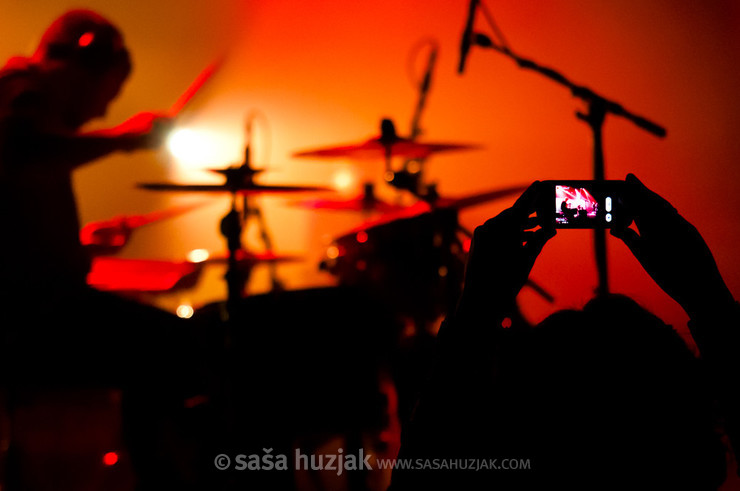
(579, 91)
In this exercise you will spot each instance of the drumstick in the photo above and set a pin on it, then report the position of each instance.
(194, 87)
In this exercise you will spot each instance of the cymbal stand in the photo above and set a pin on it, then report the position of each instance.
(232, 226)
(236, 277)
(598, 107)
(410, 177)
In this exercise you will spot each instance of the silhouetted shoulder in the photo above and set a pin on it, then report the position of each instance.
(21, 90)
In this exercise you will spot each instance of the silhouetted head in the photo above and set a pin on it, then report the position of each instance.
(88, 60)
(611, 392)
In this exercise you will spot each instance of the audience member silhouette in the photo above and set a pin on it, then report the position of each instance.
(609, 397)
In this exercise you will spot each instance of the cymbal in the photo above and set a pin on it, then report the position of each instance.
(417, 209)
(239, 180)
(422, 207)
(363, 202)
(141, 275)
(385, 146)
(249, 258)
(374, 149)
(111, 235)
(241, 189)
(478, 198)
(358, 203)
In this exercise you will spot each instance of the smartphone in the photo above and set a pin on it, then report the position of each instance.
(583, 204)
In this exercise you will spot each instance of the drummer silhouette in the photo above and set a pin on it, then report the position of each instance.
(77, 70)
(57, 332)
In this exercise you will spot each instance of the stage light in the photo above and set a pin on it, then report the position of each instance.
(343, 180)
(110, 459)
(196, 149)
(185, 311)
(332, 252)
(198, 255)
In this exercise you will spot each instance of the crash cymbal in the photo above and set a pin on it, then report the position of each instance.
(373, 149)
(441, 203)
(385, 146)
(241, 189)
(417, 209)
(364, 202)
(478, 198)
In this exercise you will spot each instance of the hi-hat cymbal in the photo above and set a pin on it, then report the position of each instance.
(239, 180)
(249, 258)
(385, 146)
(241, 189)
(109, 236)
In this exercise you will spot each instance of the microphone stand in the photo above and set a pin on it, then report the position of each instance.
(598, 107)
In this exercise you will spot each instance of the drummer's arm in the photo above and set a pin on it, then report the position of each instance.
(27, 145)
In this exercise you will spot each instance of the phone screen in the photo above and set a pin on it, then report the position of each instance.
(585, 204)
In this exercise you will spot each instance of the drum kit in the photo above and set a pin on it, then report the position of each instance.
(416, 248)
(419, 248)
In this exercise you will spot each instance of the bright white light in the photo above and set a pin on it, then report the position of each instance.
(195, 149)
(198, 255)
(344, 180)
(185, 311)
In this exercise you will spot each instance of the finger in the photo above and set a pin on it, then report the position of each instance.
(546, 234)
(532, 222)
(525, 204)
(535, 241)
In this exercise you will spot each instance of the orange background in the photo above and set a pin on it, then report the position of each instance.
(325, 72)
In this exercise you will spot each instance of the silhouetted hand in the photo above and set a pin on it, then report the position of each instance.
(503, 252)
(145, 130)
(672, 251)
(105, 237)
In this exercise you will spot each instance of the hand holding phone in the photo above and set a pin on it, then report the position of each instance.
(502, 254)
(672, 251)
